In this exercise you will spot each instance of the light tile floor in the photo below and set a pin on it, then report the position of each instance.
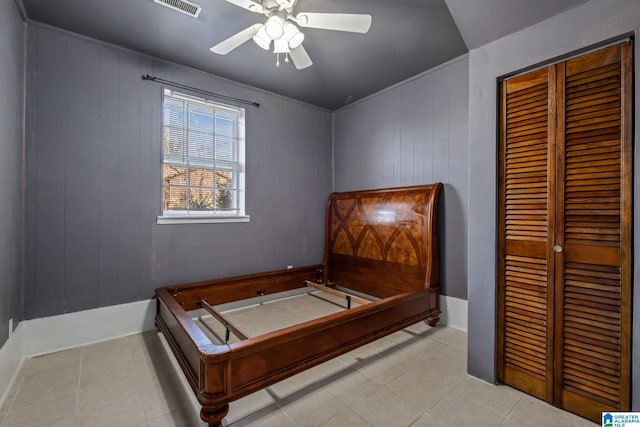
(415, 377)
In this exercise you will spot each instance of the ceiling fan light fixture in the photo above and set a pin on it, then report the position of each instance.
(275, 26)
(281, 46)
(293, 35)
(262, 38)
(283, 28)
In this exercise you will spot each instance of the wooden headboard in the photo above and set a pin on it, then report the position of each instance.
(383, 242)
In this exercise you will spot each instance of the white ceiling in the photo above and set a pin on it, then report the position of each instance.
(406, 38)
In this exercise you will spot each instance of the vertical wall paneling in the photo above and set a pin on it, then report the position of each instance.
(440, 109)
(107, 174)
(49, 197)
(407, 136)
(28, 290)
(81, 189)
(129, 176)
(414, 133)
(12, 84)
(397, 131)
(96, 181)
(457, 184)
(388, 141)
(420, 155)
(148, 200)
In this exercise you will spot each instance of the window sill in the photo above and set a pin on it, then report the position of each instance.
(193, 219)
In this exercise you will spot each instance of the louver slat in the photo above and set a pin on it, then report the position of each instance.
(589, 377)
(525, 225)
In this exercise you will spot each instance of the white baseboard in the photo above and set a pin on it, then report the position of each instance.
(11, 359)
(454, 312)
(64, 331)
(50, 334)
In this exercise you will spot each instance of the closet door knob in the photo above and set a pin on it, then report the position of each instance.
(557, 248)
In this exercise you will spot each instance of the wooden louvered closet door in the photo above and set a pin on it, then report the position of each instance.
(526, 299)
(565, 206)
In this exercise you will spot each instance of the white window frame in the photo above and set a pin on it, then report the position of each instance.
(199, 216)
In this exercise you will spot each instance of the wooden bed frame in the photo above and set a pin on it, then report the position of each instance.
(379, 243)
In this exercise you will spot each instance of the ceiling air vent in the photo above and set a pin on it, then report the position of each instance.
(183, 6)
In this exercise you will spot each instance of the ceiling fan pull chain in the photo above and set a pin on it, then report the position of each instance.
(277, 59)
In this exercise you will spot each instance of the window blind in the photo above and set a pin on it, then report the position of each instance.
(203, 143)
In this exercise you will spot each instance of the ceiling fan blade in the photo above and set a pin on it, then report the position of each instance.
(351, 22)
(235, 40)
(249, 5)
(300, 58)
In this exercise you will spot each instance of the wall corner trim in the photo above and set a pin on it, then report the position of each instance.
(22, 11)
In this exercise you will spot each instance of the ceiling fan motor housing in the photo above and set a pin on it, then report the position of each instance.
(286, 3)
(278, 4)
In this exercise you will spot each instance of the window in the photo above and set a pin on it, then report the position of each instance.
(202, 160)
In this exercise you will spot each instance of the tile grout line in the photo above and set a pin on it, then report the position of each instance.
(137, 384)
(354, 413)
(288, 417)
(420, 416)
(504, 419)
(448, 393)
(132, 360)
(512, 409)
(76, 406)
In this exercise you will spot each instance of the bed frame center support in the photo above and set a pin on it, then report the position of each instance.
(229, 327)
(338, 293)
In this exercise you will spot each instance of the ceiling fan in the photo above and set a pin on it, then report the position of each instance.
(280, 28)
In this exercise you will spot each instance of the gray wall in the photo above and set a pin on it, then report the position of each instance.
(414, 133)
(94, 181)
(585, 25)
(12, 33)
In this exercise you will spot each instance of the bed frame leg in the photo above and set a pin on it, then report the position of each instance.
(433, 321)
(213, 415)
